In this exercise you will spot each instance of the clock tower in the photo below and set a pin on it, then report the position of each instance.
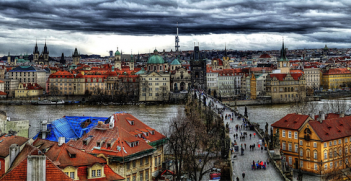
(283, 62)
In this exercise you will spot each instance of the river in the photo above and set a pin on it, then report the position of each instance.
(156, 116)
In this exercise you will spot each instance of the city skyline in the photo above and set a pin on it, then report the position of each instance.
(95, 27)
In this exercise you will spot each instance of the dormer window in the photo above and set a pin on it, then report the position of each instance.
(131, 122)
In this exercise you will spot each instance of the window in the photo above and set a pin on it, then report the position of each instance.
(315, 166)
(325, 155)
(141, 175)
(146, 160)
(155, 161)
(339, 141)
(330, 143)
(283, 146)
(346, 151)
(331, 165)
(315, 145)
(335, 142)
(147, 174)
(134, 163)
(283, 133)
(315, 154)
(98, 172)
(301, 152)
(128, 165)
(290, 147)
(93, 173)
(301, 164)
(301, 142)
(289, 134)
(325, 145)
(295, 135)
(71, 175)
(296, 148)
(66, 173)
(346, 139)
(290, 160)
(134, 177)
(325, 166)
(141, 162)
(150, 94)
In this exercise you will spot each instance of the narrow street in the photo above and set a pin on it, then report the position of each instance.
(242, 163)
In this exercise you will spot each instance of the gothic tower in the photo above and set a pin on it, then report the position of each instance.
(46, 54)
(62, 60)
(225, 59)
(284, 64)
(76, 57)
(36, 53)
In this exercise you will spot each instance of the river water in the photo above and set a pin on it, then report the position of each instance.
(156, 116)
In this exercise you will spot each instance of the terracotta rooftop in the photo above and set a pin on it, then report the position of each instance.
(6, 141)
(331, 129)
(116, 142)
(18, 171)
(291, 121)
(265, 55)
(281, 77)
(337, 71)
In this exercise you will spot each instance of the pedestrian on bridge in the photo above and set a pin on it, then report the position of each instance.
(250, 136)
(245, 145)
(243, 175)
(254, 134)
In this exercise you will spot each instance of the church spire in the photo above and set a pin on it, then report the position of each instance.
(283, 52)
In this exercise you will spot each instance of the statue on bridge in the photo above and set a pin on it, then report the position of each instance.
(276, 144)
(266, 132)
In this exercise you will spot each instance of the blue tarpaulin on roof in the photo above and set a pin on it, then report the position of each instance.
(71, 127)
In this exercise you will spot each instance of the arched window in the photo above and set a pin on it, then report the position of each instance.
(325, 155)
(308, 153)
(301, 152)
(330, 153)
(315, 154)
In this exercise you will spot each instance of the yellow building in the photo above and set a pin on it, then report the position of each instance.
(336, 78)
(28, 90)
(319, 146)
(289, 128)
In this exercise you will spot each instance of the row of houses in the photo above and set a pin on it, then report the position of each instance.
(119, 147)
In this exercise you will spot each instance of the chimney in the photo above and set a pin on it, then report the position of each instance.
(322, 118)
(44, 128)
(36, 167)
(14, 151)
(342, 114)
(61, 140)
(111, 123)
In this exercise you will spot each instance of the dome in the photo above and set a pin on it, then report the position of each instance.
(175, 62)
(155, 59)
(117, 53)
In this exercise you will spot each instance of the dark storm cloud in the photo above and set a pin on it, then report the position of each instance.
(195, 17)
(160, 17)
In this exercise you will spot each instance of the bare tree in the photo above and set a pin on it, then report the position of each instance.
(54, 90)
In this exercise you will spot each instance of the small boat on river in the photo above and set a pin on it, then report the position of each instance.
(48, 102)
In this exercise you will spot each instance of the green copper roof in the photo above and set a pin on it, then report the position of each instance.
(117, 53)
(175, 62)
(155, 50)
(16, 58)
(155, 59)
(142, 71)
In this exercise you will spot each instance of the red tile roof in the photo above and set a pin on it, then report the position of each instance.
(337, 71)
(2, 93)
(281, 77)
(7, 141)
(120, 135)
(296, 71)
(61, 74)
(331, 129)
(19, 169)
(265, 56)
(60, 155)
(291, 121)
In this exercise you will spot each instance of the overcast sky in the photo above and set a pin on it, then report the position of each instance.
(97, 26)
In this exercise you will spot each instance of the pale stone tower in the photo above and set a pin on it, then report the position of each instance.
(118, 63)
(9, 59)
(131, 63)
(76, 57)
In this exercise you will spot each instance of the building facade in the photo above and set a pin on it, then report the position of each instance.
(336, 78)
(29, 74)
